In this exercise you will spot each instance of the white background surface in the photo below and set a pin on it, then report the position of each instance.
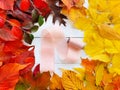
(69, 31)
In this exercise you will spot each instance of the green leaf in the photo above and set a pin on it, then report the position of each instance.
(35, 15)
(40, 20)
(34, 28)
(21, 86)
(28, 38)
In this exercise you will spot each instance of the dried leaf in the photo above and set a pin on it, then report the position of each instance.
(56, 10)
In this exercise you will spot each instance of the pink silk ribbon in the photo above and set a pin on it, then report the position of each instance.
(54, 39)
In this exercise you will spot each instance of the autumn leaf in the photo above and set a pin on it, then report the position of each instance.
(43, 7)
(6, 35)
(24, 5)
(116, 83)
(71, 3)
(36, 70)
(40, 81)
(7, 4)
(2, 18)
(70, 81)
(56, 10)
(107, 32)
(99, 73)
(56, 83)
(107, 77)
(89, 65)
(17, 32)
(9, 75)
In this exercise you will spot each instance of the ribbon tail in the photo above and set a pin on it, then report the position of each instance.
(47, 52)
(74, 47)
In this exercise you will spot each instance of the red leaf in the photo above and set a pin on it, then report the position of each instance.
(6, 35)
(42, 6)
(2, 22)
(36, 70)
(9, 75)
(7, 4)
(26, 57)
(17, 32)
(24, 5)
(2, 18)
(14, 22)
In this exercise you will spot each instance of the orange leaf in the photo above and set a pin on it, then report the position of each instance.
(43, 80)
(56, 83)
(89, 65)
(71, 3)
(9, 75)
(38, 82)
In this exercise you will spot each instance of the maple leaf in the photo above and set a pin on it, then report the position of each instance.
(7, 4)
(70, 81)
(9, 75)
(56, 83)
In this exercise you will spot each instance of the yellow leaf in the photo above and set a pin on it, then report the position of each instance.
(56, 83)
(115, 68)
(70, 81)
(110, 46)
(100, 5)
(99, 73)
(107, 32)
(81, 73)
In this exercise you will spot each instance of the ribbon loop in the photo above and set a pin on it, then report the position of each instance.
(54, 39)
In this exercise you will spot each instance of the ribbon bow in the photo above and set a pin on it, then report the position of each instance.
(67, 50)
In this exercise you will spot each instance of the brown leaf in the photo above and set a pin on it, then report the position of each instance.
(56, 11)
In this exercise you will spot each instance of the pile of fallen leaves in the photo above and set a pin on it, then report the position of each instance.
(100, 23)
